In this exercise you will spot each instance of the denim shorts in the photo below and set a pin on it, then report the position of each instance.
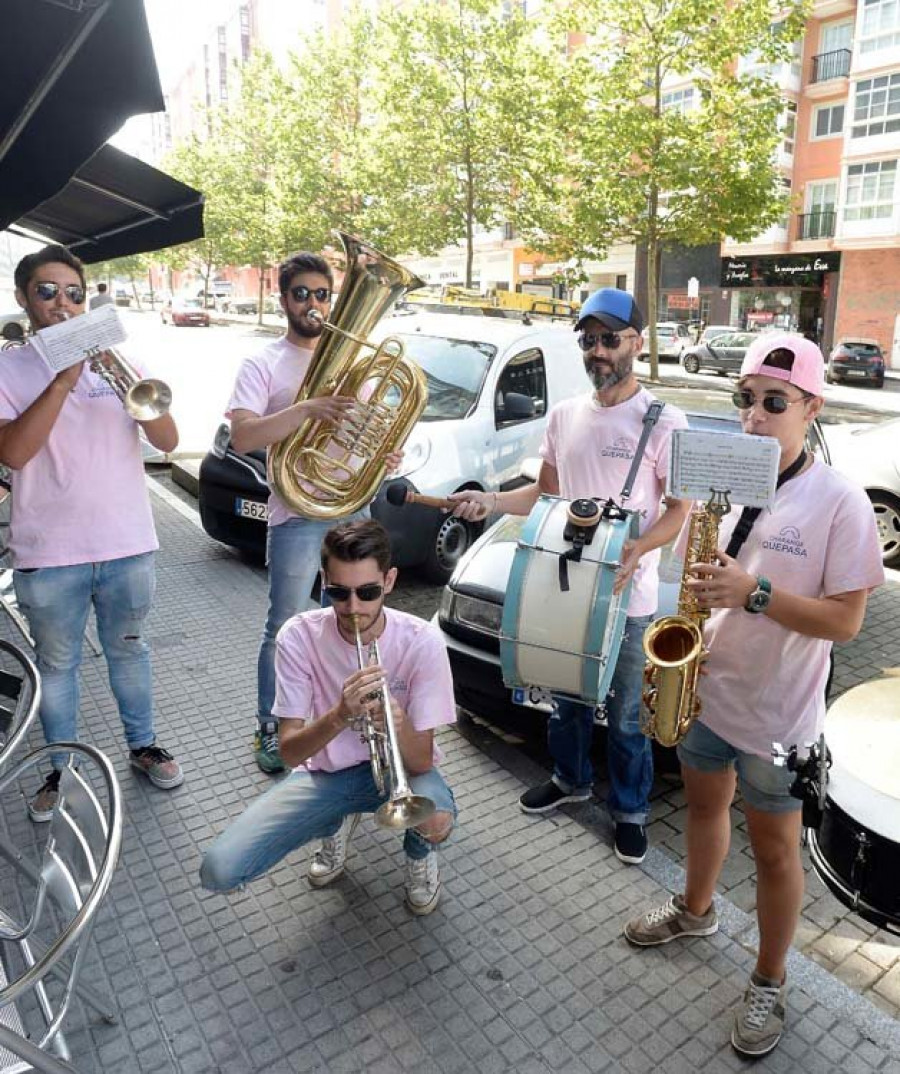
(764, 786)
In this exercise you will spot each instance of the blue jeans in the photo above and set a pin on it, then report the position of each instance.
(293, 552)
(301, 807)
(56, 602)
(570, 732)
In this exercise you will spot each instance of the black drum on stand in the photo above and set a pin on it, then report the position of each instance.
(856, 849)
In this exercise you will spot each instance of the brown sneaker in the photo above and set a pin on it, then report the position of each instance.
(158, 765)
(668, 922)
(41, 807)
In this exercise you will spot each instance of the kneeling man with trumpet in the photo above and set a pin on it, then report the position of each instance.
(360, 689)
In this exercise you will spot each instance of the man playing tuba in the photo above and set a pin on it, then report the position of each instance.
(322, 696)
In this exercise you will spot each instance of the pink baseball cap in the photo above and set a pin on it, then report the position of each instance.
(786, 356)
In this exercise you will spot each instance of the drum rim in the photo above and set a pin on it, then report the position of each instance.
(851, 899)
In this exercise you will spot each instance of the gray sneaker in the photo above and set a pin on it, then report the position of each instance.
(423, 884)
(668, 922)
(329, 860)
(759, 1021)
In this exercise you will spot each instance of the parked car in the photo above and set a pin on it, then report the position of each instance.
(672, 338)
(722, 353)
(185, 311)
(122, 297)
(240, 305)
(856, 359)
(713, 330)
(13, 325)
(491, 384)
(870, 456)
(472, 604)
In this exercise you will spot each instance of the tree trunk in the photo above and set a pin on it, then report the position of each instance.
(259, 312)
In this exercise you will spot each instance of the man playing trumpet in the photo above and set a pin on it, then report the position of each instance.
(322, 697)
(81, 532)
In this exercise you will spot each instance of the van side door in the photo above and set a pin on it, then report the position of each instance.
(520, 407)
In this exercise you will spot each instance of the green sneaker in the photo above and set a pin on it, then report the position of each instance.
(265, 747)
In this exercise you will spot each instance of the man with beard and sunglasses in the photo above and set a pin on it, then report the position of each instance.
(788, 583)
(81, 531)
(262, 412)
(587, 451)
(321, 694)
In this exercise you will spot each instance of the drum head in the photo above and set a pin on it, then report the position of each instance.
(862, 730)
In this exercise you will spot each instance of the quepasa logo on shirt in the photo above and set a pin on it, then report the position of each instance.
(787, 541)
(620, 448)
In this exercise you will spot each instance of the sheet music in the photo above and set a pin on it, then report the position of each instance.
(64, 344)
(746, 467)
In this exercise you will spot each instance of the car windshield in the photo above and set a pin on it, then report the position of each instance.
(660, 331)
(454, 369)
(863, 350)
(190, 304)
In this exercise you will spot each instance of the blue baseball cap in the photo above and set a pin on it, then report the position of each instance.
(614, 309)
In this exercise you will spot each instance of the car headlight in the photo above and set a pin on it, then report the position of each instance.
(482, 615)
(416, 453)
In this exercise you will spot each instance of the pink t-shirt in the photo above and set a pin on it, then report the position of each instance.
(312, 662)
(764, 682)
(591, 448)
(83, 497)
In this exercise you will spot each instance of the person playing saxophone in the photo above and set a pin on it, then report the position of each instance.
(322, 697)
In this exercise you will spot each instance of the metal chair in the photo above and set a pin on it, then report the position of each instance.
(20, 697)
(60, 897)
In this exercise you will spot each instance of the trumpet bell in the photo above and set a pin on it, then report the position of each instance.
(405, 811)
(148, 399)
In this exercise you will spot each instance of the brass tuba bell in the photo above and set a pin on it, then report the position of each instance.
(329, 470)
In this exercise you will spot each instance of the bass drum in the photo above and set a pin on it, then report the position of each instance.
(565, 640)
(856, 851)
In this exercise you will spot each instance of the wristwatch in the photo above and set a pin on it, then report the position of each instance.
(759, 599)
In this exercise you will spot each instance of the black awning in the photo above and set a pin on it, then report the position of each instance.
(73, 71)
(116, 205)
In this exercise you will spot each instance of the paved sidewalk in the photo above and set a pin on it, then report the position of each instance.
(522, 968)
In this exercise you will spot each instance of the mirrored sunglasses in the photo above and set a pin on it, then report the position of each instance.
(48, 290)
(611, 340)
(771, 404)
(338, 594)
(301, 293)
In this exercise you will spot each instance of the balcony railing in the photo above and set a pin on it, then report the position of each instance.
(818, 225)
(831, 65)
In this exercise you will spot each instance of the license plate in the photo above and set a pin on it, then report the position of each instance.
(532, 697)
(251, 509)
(857, 372)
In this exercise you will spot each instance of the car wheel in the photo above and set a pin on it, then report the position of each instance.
(692, 363)
(452, 538)
(879, 383)
(829, 379)
(887, 518)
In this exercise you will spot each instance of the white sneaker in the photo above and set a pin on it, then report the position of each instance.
(423, 884)
(329, 860)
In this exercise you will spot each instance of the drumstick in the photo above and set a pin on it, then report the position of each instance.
(399, 495)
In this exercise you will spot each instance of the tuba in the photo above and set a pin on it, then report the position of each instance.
(673, 645)
(328, 470)
(403, 809)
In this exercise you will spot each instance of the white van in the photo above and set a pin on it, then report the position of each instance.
(491, 384)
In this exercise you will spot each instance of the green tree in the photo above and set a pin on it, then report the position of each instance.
(629, 169)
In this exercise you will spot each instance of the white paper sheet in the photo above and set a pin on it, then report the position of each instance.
(64, 344)
(746, 467)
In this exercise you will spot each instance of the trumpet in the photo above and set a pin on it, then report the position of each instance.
(143, 398)
(403, 809)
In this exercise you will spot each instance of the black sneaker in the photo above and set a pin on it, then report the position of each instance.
(547, 796)
(631, 843)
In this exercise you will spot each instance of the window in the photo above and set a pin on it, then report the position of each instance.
(524, 374)
(828, 121)
(681, 100)
(789, 127)
(870, 190)
(821, 197)
(880, 25)
(836, 35)
(876, 107)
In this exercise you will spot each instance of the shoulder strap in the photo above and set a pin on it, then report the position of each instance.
(650, 419)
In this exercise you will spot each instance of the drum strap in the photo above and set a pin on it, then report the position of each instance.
(651, 417)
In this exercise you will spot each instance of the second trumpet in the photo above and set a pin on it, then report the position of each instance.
(143, 398)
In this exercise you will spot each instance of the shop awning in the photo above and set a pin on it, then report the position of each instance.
(73, 72)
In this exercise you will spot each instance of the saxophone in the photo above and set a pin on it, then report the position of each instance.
(673, 645)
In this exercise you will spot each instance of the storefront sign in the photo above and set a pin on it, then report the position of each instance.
(792, 270)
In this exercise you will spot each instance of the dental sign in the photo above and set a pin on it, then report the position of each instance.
(792, 270)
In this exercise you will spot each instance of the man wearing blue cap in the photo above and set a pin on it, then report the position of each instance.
(587, 451)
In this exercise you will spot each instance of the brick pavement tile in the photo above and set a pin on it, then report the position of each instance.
(888, 986)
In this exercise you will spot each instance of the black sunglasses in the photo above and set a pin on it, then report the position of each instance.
(48, 290)
(301, 293)
(771, 404)
(340, 593)
(588, 340)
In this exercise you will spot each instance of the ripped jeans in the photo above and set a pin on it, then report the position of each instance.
(56, 601)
